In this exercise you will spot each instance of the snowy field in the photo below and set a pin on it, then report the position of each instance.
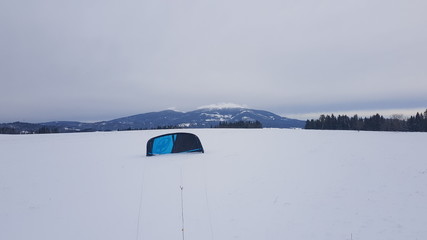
(249, 185)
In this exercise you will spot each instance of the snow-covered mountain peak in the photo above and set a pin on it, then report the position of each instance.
(222, 106)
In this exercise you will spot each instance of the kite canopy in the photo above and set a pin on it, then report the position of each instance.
(174, 143)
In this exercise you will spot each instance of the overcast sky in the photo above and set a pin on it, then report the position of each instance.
(101, 59)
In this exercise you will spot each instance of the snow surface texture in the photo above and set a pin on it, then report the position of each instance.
(249, 184)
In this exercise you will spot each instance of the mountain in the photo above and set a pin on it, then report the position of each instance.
(200, 118)
(208, 117)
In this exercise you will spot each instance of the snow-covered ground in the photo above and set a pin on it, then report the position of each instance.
(249, 185)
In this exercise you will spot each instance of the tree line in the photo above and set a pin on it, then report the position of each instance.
(240, 124)
(416, 123)
(41, 130)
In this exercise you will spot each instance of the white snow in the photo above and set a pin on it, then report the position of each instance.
(216, 117)
(249, 184)
(222, 106)
(247, 119)
(183, 125)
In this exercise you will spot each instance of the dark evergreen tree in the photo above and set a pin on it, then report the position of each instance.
(46, 129)
(8, 130)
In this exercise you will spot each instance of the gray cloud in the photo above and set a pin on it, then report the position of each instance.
(89, 60)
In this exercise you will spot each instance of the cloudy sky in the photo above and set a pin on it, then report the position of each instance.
(92, 60)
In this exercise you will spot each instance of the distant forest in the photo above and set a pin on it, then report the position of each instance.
(26, 128)
(397, 122)
(240, 124)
